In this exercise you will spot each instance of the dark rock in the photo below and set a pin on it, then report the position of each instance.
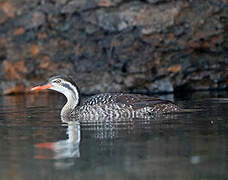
(2, 18)
(4, 85)
(49, 9)
(162, 85)
(157, 1)
(85, 5)
(115, 45)
(32, 20)
(149, 19)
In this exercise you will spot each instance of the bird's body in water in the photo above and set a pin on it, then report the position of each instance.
(124, 106)
(115, 105)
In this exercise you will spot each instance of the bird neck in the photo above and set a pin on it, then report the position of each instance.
(72, 102)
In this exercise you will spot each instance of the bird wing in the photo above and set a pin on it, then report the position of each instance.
(136, 101)
(140, 101)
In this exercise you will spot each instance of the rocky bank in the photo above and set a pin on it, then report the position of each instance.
(115, 45)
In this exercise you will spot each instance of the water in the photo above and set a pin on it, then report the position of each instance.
(36, 144)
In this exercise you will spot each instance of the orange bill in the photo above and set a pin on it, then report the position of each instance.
(46, 86)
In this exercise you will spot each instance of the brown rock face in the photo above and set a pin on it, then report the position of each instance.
(115, 45)
(15, 71)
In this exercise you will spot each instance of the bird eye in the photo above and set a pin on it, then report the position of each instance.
(57, 81)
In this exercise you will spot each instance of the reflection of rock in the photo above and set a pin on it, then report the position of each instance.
(115, 45)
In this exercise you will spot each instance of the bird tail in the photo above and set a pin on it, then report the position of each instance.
(192, 110)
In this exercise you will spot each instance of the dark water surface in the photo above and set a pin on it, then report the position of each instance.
(36, 144)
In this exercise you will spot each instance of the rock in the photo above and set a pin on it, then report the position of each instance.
(175, 68)
(157, 1)
(162, 85)
(18, 89)
(15, 71)
(34, 49)
(85, 5)
(115, 45)
(32, 20)
(7, 8)
(11, 87)
(19, 31)
(149, 19)
(100, 82)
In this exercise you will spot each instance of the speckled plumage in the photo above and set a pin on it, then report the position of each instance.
(124, 106)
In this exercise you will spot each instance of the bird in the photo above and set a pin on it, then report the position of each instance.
(114, 105)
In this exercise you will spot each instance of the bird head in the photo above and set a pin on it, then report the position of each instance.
(61, 84)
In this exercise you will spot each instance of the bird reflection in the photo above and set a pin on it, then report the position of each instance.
(63, 151)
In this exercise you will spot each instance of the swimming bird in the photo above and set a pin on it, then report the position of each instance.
(117, 105)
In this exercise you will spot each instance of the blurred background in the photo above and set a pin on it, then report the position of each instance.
(138, 46)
